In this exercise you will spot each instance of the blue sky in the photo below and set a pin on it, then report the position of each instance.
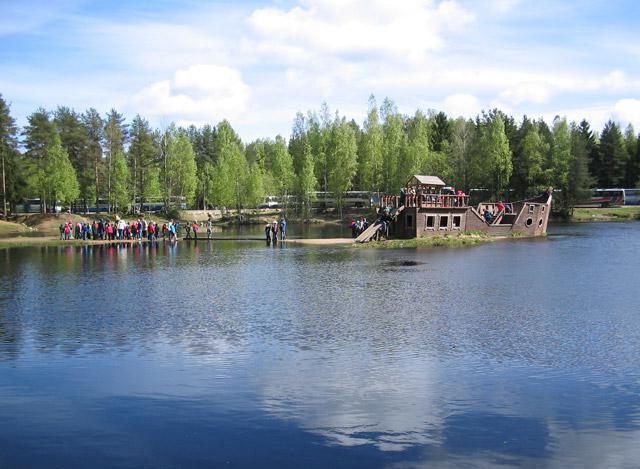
(258, 63)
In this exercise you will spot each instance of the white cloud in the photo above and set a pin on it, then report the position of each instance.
(527, 92)
(465, 105)
(405, 30)
(504, 6)
(615, 80)
(628, 110)
(201, 93)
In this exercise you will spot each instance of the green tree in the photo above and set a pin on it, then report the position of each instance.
(254, 186)
(142, 158)
(613, 156)
(370, 150)
(94, 126)
(230, 172)
(341, 160)
(440, 131)
(181, 166)
(560, 155)
(74, 139)
(418, 157)
(281, 168)
(306, 180)
(579, 178)
(39, 136)
(459, 153)
(530, 168)
(393, 144)
(119, 181)
(115, 136)
(495, 154)
(8, 157)
(60, 182)
(632, 170)
(303, 164)
(151, 186)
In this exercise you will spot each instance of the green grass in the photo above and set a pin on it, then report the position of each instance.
(606, 214)
(466, 239)
(7, 228)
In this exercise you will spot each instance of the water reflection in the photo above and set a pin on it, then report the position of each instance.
(509, 353)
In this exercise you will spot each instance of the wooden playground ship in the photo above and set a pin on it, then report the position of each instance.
(425, 207)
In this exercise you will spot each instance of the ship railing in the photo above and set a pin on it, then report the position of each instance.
(427, 201)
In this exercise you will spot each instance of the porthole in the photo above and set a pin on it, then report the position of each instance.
(529, 221)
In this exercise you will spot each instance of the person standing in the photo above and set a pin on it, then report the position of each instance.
(283, 228)
(195, 229)
(209, 226)
(267, 232)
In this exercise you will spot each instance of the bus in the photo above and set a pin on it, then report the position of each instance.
(157, 204)
(604, 198)
(351, 199)
(631, 196)
(34, 206)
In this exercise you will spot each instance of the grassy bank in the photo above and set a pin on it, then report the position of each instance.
(20, 241)
(466, 239)
(606, 214)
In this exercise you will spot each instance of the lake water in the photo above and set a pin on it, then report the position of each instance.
(517, 353)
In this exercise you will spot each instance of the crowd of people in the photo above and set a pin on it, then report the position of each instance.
(358, 226)
(120, 229)
(275, 228)
(498, 210)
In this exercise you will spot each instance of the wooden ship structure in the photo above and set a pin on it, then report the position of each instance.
(425, 207)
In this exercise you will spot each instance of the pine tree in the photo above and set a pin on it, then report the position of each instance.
(8, 157)
(93, 152)
(115, 136)
(142, 158)
(39, 136)
(440, 131)
(74, 139)
(613, 156)
(632, 169)
(579, 179)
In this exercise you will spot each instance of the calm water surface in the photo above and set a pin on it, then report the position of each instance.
(523, 353)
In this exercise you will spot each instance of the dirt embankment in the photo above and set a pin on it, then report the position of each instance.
(48, 222)
(10, 228)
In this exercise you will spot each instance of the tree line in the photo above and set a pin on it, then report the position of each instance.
(76, 159)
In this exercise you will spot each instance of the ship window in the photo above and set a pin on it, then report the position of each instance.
(431, 221)
(540, 222)
(409, 221)
(543, 207)
(456, 221)
(531, 208)
(444, 222)
(529, 221)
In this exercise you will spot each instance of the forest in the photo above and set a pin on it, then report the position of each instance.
(78, 158)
